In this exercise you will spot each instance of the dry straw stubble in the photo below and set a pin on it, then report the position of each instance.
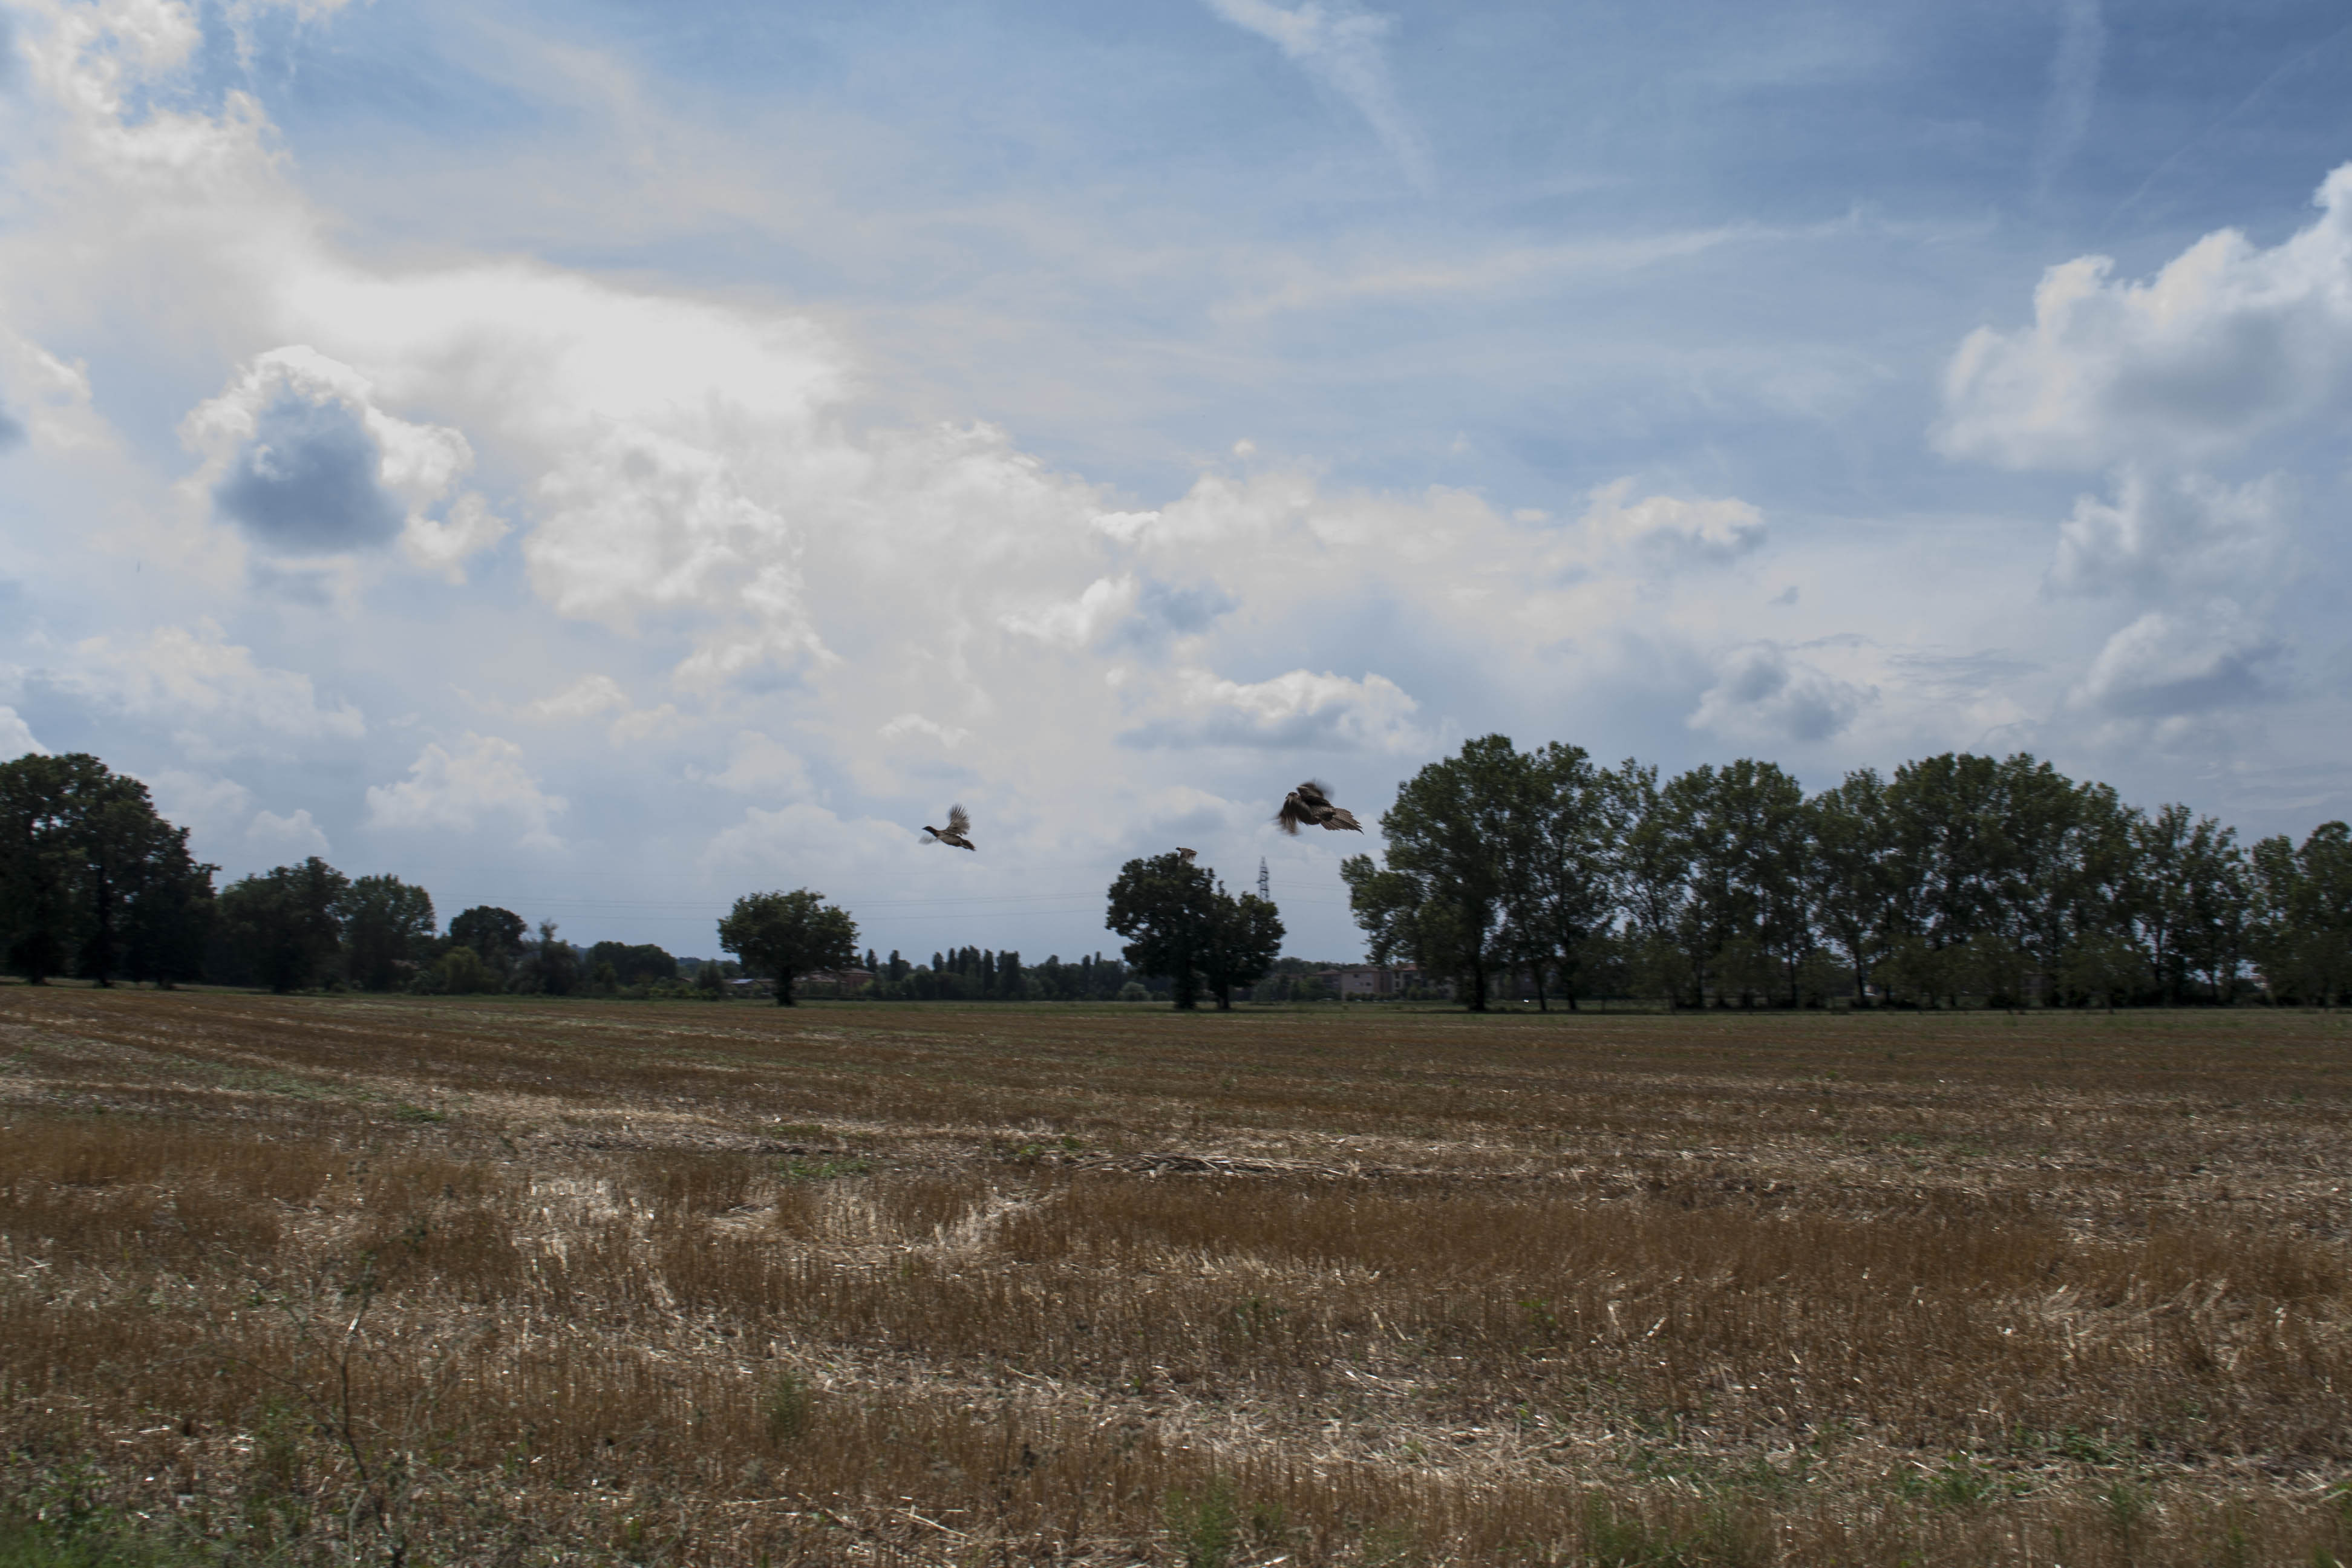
(706, 1284)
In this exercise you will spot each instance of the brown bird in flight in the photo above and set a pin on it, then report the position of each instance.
(959, 825)
(1186, 853)
(1310, 805)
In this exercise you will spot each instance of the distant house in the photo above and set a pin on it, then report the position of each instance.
(1353, 982)
(833, 982)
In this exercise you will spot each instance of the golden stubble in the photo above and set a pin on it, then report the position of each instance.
(715, 1283)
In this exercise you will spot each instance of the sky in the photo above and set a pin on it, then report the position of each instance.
(604, 459)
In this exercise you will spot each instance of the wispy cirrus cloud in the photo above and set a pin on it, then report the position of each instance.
(1343, 50)
(2073, 89)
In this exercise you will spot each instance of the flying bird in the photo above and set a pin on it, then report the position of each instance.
(1186, 853)
(959, 825)
(1309, 805)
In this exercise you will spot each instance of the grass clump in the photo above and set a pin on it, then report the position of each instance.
(1204, 1522)
(788, 1407)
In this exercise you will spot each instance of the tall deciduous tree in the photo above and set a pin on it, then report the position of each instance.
(1743, 831)
(640, 963)
(2303, 922)
(1166, 908)
(281, 928)
(1559, 892)
(785, 935)
(1851, 889)
(548, 964)
(91, 879)
(1442, 895)
(496, 935)
(387, 929)
(1245, 938)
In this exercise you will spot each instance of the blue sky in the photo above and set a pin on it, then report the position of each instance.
(602, 458)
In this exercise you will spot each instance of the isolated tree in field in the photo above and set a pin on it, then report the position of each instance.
(1166, 907)
(496, 935)
(387, 923)
(1245, 938)
(280, 927)
(785, 935)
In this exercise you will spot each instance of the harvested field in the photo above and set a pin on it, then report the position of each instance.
(518, 1281)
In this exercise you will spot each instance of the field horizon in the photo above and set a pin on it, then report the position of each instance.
(346, 1278)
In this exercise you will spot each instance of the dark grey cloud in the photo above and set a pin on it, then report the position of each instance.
(2234, 677)
(1761, 693)
(308, 481)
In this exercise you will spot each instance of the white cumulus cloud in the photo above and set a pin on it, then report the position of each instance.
(294, 838)
(2186, 659)
(1077, 622)
(212, 693)
(207, 805)
(760, 765)
(16, 736)
(457, 792)
(1673, 527)
(2161, 531)
(2227, 341)
(907, 724)
(1297, 710)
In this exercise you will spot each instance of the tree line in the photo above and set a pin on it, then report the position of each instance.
(1188, 937)
(984, 974)
(2000, 880)
(94, 883)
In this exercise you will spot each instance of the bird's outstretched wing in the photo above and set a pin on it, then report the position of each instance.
(1336, 817)
(1315, 793)
(959, 819)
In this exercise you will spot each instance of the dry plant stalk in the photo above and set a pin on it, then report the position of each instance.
(518, 1281)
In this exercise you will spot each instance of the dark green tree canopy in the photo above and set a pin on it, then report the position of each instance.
(387, 931)
(788, 934)
(1167, 909)
(1998, 878)
(1244, 940)
(282, 929)
(496, 935)
(91, 879)
(640, 964)
(1441, 901)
